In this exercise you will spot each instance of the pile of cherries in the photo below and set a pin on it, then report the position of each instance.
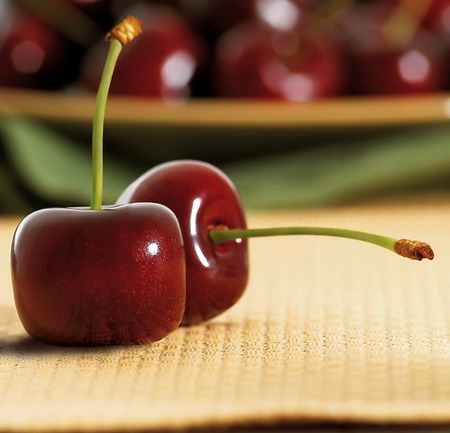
(293, 50)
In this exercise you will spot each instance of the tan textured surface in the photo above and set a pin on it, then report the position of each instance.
(329, 330)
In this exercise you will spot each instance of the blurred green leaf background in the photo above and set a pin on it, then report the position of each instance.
(46, 165)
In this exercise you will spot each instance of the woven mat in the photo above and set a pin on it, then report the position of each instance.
(329, 330)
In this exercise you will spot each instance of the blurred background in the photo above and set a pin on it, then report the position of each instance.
(303, 103)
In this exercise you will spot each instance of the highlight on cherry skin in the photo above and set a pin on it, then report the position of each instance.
(214, 231)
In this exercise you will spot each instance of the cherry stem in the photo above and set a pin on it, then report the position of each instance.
(404, 22)
(120, 35)
(327, 16)
(98, 124)
(415, 250)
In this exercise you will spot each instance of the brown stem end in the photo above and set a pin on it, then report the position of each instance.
(414, 250)
(128, 29)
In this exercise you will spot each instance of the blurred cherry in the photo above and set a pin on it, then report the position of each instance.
(390, 57)
(438, 18)
(255, 60)
(213, 18)
(160, 63)
(32, 52)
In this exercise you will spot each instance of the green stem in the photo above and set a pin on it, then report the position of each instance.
(415, 250)
(220, 236)
(98, 124)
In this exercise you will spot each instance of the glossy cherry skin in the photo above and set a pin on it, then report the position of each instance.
(32, 53)
(201, 196)
(112, 276)
(255, 61)
(160, 63)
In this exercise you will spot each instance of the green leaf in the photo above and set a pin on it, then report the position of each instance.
(54, 167)
(12, 200)
(409, 159)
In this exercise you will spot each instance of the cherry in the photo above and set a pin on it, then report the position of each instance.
(214, 231)
(256, 61)
(201, 197)
(387, 58)
(418, 68)
(32, 52)
(438, 18)
(161, 63)
(111, 276)
(97, 276)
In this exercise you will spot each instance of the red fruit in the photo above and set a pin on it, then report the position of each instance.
(438, 19)
(112, 276)
(417, 68)
(201, 196)
(160, 63)
(383, 62)
(256, 61)
(32, 53)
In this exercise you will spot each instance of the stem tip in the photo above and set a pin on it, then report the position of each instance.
(126, 30)
(414, 250)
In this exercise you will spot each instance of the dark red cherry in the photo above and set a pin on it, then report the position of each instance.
(383, 69)
(438, 17)
(32, 52)
(384, 62)
(254, 60)
(160, 63)
(202, 197)
(96, 277)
